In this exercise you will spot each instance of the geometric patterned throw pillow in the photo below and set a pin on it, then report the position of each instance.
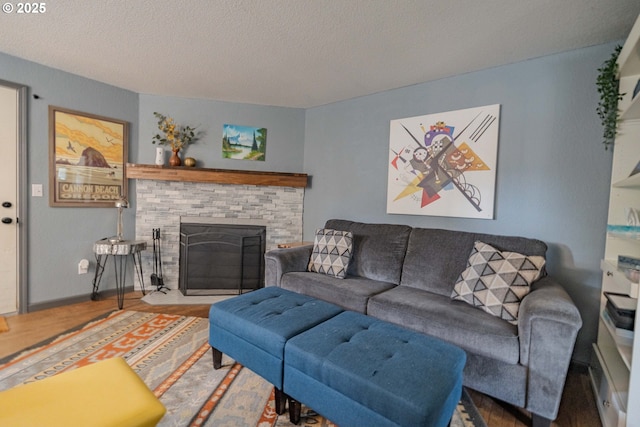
(331, 252)
(496, 281)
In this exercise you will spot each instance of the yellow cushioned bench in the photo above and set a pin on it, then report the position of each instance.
(105, 394)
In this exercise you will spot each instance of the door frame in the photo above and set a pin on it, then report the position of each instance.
(21, 179)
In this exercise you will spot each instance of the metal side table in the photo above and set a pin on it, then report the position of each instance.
(120, 250)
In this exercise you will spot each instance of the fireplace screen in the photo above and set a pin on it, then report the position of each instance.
(217, 259)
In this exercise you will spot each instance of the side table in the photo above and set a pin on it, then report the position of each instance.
(120, 250)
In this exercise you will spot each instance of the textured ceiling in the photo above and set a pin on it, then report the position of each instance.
(300, 53)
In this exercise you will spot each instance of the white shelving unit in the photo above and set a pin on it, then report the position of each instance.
(615, 370)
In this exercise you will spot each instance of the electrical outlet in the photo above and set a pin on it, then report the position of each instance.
(83, 266)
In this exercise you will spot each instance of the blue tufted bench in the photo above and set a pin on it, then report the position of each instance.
(253, 328)
(359, 371)
(353, 369)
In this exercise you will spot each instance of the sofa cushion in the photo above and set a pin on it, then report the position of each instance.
(496, 281)
(452, 321)
(351, 293)
(331, 252)
(378, 249)
(436, 257)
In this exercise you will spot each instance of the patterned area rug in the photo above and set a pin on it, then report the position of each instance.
(171, 354)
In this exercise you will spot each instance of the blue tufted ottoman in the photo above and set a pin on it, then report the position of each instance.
(253, 328)
(359, 371)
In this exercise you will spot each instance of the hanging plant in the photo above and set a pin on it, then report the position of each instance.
(608, 86)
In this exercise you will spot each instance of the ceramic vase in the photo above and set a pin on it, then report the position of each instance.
(160, 156)
(175, 159)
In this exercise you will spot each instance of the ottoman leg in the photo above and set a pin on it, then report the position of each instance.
(217, 358)
(281, 401)
(295, 408)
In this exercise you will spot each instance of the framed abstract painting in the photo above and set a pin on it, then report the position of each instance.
(444, 164)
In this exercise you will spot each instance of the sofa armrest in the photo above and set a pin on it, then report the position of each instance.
(281, 261)
(548, 323)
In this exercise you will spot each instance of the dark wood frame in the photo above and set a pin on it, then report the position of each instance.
(99, 186)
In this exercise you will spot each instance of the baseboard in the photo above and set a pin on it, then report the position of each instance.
(73, 300)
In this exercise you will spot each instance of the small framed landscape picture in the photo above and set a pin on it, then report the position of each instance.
(244, 142)
(87, 156)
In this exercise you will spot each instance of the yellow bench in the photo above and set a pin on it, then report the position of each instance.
(105, 394)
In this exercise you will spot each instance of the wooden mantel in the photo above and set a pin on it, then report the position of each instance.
(218, 176)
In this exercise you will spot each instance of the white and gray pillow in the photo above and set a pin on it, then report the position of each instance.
(497, 281)
(331, 252)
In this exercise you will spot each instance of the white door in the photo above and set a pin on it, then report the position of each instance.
(8, 200)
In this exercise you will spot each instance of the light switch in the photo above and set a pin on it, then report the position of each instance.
(36, 190)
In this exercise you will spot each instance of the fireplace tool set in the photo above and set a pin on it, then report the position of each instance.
(156, 276)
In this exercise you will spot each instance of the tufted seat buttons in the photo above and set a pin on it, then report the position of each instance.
(398, 384)
(253, 328)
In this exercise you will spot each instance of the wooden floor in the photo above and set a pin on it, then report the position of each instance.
(577, 409)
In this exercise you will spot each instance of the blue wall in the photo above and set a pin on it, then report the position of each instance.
(285, 131)
(552, 176)
(60, 237)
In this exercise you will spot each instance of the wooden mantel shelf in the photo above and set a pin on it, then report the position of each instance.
(218, 176)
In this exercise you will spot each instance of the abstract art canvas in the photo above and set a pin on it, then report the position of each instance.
(444, 164)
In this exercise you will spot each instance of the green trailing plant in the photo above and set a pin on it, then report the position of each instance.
(608, 87)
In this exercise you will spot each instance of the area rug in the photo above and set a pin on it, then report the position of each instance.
(4, 326)
(172, 355)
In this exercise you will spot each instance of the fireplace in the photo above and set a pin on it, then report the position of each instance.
(220, 259)
(166, 204)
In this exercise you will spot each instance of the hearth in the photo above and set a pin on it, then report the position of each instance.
(218, 259)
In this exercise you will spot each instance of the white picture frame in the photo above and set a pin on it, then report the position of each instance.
(444, 164)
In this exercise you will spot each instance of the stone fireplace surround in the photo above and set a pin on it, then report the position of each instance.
(164, 204)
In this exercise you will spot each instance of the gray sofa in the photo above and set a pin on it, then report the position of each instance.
(405, 275)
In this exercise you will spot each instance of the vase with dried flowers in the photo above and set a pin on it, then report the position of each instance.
(176, 136)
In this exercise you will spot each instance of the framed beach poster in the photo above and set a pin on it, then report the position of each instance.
(444, 164)
(87, 156)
